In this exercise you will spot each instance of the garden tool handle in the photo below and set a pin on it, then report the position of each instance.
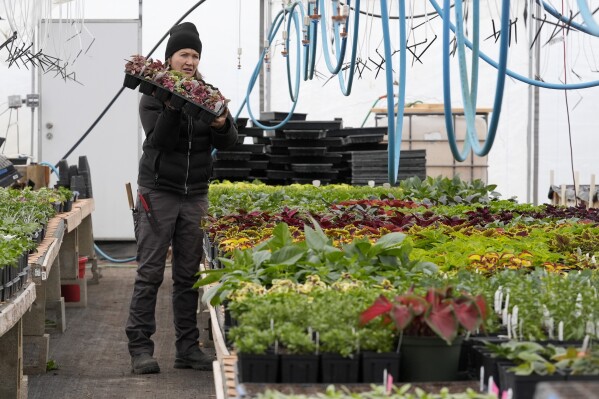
(130, 196)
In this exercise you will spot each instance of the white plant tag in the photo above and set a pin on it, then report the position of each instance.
(585, 343)
(560, 331)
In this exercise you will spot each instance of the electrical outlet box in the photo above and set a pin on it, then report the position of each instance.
(14, 101)
(32, 100)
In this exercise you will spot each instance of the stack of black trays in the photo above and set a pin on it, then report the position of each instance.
(304, 151)
(372, 166)
(299, 153)
(242, 162)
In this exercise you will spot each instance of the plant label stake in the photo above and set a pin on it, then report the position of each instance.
(590, 328)
(585, 344)
(482, 378)
(497, 301)
(509, 326)
(560, 331)
(550, 328)
(515, 321)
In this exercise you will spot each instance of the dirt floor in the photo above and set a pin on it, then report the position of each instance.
(92, 356)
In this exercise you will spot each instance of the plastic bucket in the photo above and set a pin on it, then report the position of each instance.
(72, 292)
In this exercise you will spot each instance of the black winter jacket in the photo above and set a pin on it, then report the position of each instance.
(177, 149)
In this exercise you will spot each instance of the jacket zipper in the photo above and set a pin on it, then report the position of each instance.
(189, 132)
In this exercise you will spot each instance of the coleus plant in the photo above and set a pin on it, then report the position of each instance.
(441, 312)
(195, 90)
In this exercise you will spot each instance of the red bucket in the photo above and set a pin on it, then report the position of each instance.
(72, 292)
(82, 262)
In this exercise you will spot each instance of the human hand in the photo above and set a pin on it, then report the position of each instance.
(220, 121)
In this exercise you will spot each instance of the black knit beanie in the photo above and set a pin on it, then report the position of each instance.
(184, 35)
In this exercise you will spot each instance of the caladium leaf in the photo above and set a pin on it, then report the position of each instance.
(468, 314)
(380, 306)
(441, 319)
(402, 316)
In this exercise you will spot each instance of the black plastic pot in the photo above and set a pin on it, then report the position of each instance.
(162, 94)
(373, 366)
(258, 368)
(523, 386)
(177, 101)
(131, 81)
(67, 206)
(299, 368)
(429, 359)
(338, 369)
(146, 87)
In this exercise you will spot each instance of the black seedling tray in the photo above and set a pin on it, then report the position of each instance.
(287, 159)
(276, 150)
(262, 140)
(366, 138)
(231, 172)
(252, 131)
(357, 131)
(325, 142)
(258, 165)
(307, 151)
(279, 116)
(253, 148)
(311, 167)
(305, 134)
(279, 174)
(305, 125)
(233, 155)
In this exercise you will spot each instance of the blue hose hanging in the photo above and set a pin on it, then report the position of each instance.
(521, 78)
(469, 95)
(563, 18)
(340, 49)
(587, 16)
(395, 126)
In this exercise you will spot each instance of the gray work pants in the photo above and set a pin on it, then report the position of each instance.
(178, 220)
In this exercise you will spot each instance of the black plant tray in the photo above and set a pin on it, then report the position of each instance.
(304, 125)
(280, 142)
(304, 134)
(240, 138)
(131, 81)
(230, 164)
(307, 151)
(287, 159)
(146, 87)
(311, 167)
(258, 165)
(357, 131)
(253, 148)
(360, 139)
(241, 123)
(231, 172)
(279, 116)
(276, 150)
(326, 174)
(233, 155)
(262, 140)
(279, 174)
(360, 147)
(252, 131)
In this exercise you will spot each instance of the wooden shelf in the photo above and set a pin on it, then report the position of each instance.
(12, 312)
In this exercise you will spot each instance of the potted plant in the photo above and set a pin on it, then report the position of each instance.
(431, 328)
(377, 352)
(299, 361)
(257, 361)
(339, 358)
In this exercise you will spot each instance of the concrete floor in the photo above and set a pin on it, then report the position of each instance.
(92, 353)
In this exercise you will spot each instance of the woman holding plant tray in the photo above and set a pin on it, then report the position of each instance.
(174, 172)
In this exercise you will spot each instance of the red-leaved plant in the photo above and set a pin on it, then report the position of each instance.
(440, 312)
